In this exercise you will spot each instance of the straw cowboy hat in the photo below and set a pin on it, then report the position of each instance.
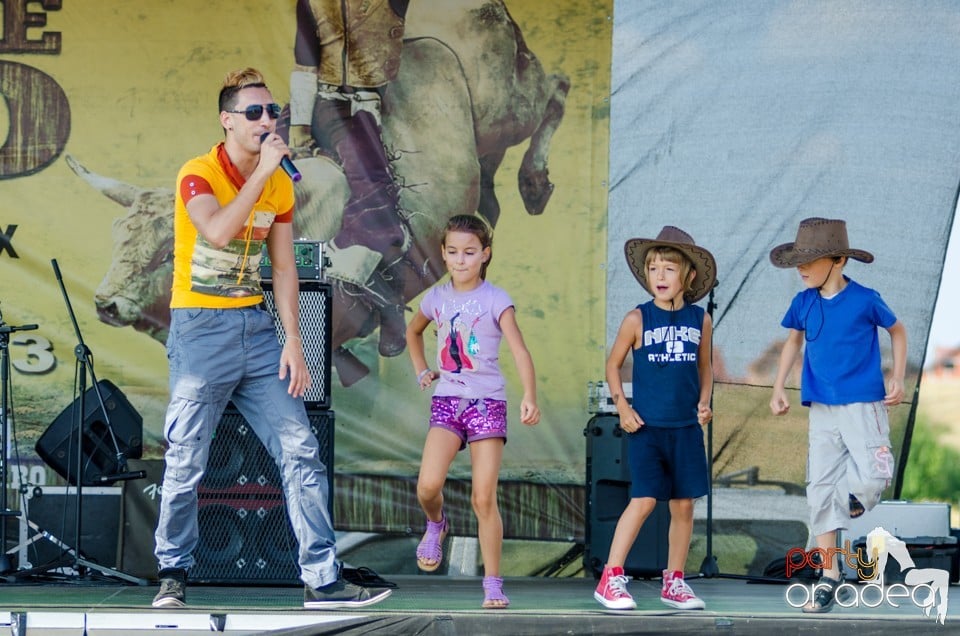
(817, 238)
(703, 262)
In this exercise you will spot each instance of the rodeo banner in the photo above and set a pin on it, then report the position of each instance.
(494, 108)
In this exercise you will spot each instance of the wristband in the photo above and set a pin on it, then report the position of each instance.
(421, 375)
(289, 337)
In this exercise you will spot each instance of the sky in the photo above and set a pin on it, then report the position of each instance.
(943, 330)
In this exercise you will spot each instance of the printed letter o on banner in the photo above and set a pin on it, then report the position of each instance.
(39, 120)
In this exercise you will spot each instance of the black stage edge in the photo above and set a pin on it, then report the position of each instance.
(445, 605)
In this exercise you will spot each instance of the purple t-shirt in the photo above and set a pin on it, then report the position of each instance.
(468, 339)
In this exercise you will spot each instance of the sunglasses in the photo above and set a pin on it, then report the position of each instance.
(254, 112)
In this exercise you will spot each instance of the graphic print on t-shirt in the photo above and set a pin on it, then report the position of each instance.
(678, 344)
(234, 270)
(454, 356)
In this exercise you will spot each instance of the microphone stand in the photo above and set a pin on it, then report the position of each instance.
(84, 364)
(709, 568)
(5, 402)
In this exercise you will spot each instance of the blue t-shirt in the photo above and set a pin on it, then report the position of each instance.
(841, 359)
(666, 375)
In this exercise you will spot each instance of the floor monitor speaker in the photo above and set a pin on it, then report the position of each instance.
(57, 446)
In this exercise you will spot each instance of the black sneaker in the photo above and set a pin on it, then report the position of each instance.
(173, 588)
(365, 577)
(342, 595)
(856, 508)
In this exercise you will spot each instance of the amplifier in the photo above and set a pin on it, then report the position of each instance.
(308, 256)
(50, 528)
(924, 526)
(599, 400)
(938, 553)
(316, 319)
(902, 519)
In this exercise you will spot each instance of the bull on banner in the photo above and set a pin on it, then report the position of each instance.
(447, 123)
(481, 117)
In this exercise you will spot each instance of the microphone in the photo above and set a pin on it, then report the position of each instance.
(5, 328)
(285, 163)
(134, 474)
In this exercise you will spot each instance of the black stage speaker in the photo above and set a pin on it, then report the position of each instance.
(608, 493)
(245, 535)
(57, 446)
(316, 317)
(52, 524)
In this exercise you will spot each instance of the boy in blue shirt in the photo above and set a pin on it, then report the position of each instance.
(849, 460)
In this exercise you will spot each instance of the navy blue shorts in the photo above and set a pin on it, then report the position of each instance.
(668, 463)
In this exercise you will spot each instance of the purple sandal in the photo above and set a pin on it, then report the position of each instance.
(493, 597)
(430, 550)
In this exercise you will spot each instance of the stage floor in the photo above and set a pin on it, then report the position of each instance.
(447, 605)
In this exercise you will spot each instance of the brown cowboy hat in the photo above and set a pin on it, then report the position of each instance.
(817, 238)
(703, 262)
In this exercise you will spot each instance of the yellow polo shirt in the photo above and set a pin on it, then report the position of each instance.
(207, 277)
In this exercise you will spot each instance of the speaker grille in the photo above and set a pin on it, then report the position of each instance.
(316, 314)
(245, 534)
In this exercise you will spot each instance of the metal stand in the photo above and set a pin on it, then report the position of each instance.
(84, 364)
(709, 568)
(5, 401)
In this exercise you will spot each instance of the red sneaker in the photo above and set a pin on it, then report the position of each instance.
(676, 592)
(612, 592)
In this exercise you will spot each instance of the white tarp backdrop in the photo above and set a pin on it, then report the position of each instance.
(736, 120)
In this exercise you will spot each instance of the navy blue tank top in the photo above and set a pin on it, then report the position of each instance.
(666, 379)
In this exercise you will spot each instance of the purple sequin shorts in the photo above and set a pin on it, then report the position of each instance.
(470, 419)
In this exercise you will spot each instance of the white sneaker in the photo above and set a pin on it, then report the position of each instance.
(612, 592)
(676, 592)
